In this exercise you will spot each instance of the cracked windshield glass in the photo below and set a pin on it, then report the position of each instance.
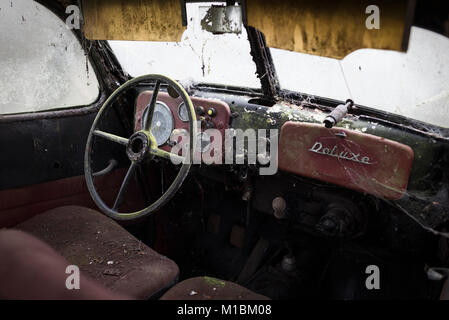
(413, 84)
(200, 56)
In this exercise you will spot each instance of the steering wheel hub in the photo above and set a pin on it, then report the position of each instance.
(138, 146)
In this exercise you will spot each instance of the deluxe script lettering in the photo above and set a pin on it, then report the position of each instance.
(345, 154)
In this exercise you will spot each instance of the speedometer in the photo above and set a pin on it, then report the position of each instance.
(162, 124)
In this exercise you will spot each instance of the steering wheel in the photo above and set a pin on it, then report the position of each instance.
(141, 147)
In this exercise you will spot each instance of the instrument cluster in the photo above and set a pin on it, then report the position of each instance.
(172, 114)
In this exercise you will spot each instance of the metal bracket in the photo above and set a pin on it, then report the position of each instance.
(242, 3)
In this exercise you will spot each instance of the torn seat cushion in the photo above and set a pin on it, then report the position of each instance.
(207, 288)
(104, 251)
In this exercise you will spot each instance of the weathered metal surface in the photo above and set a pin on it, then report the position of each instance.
(330, 28)
(347, 158)
(223, 19)
(220, 121)
(426, 198)
(146, 20)
(265, 68)
(426, 146)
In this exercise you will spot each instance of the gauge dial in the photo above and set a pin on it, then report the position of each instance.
(183, 113)
(162, 124)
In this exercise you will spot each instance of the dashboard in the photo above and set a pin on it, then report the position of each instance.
(170, 115)
(370, 156)
(340, 156)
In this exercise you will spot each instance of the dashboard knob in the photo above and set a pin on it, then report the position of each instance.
(212, 112)
(200, 110)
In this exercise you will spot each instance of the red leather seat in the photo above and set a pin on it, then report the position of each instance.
(30, 269)
(113, 264)
(104, 251)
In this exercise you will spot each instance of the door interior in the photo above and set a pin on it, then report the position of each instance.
(52, 91)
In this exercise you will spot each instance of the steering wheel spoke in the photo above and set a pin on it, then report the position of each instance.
(111, 137)
(167, 155)
(152, 105)
(129, 175)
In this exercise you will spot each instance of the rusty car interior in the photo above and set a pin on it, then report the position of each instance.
(115, 118)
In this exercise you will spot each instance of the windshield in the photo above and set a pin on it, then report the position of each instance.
(414, 84)
(201, 56)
